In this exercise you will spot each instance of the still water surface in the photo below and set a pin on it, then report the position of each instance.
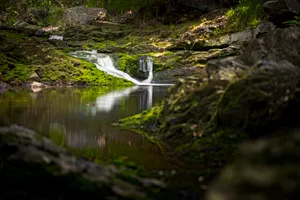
(81, 118)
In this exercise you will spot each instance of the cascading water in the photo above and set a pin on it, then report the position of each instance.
(146, 66)
(104, 63)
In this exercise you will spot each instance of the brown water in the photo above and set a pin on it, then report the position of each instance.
(81, 118)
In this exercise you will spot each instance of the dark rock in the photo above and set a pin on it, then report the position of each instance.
(28, 28)
(40, 72)
(260, 96)
(30, 161)
(265, 169)
(3, 87)
(239, 38)
(280, 11)
(83, 16)
(281, 44)
(275, 46)
(230, 64)
(39, 33)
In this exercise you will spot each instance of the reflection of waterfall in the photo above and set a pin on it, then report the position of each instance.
(146, 100)
(107, 102)
(104, 63)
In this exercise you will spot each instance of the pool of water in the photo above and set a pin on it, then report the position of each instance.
(81, 118)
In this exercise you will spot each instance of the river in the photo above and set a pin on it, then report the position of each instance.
(80, 119)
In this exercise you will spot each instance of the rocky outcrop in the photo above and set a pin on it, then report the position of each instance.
(238, 39)
(260, 76)
(83, 16)
(265, 169)
(278, 45)
(30, 161)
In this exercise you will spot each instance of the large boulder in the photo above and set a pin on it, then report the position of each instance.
(83, 16)
(254, 98)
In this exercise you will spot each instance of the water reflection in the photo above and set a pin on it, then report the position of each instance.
(105, 103)
(81, 118)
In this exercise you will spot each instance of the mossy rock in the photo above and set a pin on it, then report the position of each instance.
(147, 120)
(205, 119)
(128, 63)
(263, 169)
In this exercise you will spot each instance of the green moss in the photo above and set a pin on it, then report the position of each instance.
(99, 46)
(213, 149)
(147, 120)
(16, 72)
(11, 35)
(128, 63)
(247, 14)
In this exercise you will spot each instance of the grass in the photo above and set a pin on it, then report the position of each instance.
(247, 14)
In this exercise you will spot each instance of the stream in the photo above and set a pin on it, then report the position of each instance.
(81, 118)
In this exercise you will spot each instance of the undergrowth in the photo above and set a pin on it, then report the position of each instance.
(247, 14)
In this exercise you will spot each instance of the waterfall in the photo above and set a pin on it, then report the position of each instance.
(146, 66)
(104, 63)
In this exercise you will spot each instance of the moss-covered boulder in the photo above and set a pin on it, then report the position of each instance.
(264, 169)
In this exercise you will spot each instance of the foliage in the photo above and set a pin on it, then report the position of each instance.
(247, 14)
(295, 21)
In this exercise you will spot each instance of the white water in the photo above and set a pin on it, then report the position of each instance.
(104, 63)
(106, 103)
